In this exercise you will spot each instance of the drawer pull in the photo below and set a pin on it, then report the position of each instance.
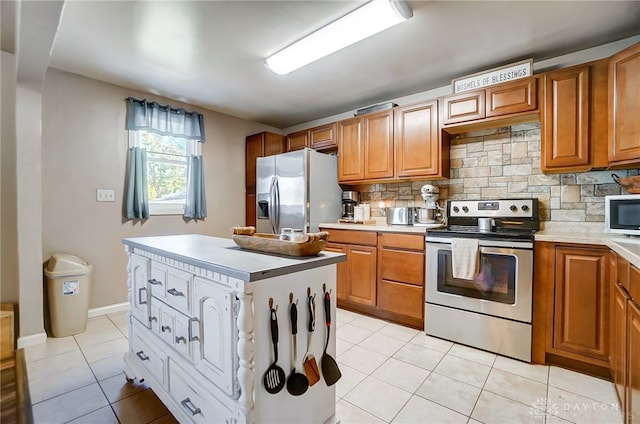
(151, 319)
(140, 301)
(189, 406)
(175, 292)
(142, 356)
(192, 338)
(166, 328)
(181, 339)
(155, 282)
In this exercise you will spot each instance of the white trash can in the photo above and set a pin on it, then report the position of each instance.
(68, 288)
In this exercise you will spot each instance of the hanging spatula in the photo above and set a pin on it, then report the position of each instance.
(330, 369)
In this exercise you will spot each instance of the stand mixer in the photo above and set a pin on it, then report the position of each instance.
(431, 213)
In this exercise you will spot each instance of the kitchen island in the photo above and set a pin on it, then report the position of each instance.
(199, 327)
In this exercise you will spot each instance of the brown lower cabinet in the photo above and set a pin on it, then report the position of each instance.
(383, 275)
(625, 337)
(356, 279)
(633, 365)
(571, 306)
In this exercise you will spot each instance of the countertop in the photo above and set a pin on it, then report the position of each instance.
(379, 226)
(627, 247)
(224, 256)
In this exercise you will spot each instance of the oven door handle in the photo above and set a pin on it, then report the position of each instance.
(502, 251)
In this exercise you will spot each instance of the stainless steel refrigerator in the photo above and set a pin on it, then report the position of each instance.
(297, 190)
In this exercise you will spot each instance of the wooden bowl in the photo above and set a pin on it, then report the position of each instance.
(271, 243)
(630, 184)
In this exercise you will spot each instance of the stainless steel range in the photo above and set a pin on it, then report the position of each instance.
(490, 305)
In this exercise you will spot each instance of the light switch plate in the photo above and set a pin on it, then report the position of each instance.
(105, 195)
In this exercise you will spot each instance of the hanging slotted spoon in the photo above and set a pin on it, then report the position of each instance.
(274, 378)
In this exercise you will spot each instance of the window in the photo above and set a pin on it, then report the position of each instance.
(172, 180)
(167, 170)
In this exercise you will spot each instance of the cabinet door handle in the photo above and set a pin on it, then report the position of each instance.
(151, 319)
(175, 292)
(155, 282)
(181, 339)
(140, 301)
(166, 328)
(189, 406)
(192, 338)
(142, 356)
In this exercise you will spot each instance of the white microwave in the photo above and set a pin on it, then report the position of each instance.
(622, 214)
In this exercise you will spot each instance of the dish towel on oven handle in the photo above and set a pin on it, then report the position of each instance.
(464, 258)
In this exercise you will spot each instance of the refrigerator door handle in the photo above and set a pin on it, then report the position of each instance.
(276, 205)
(271, 206)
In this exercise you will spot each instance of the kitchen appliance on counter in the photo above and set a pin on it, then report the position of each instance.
(400, 215)
(297, 189)
(622, 214)
(431, 213)
(493, 309)
(349, 202)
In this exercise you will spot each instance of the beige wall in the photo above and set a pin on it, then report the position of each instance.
(84, 147)
(9, 280)
(29, 208)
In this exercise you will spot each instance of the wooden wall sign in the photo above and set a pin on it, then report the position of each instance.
(493, 76)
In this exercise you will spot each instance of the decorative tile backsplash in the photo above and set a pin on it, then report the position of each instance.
(505, 163)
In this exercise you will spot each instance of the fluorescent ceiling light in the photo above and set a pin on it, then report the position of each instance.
(373, 17)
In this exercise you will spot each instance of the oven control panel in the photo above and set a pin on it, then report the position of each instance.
(504, 208)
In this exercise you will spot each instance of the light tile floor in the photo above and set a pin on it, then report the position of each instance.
(394, 374)
(79, 379)
(390, 374)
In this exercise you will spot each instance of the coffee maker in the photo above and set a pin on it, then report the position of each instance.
(349, 201)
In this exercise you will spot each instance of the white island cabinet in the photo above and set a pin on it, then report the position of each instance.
(199, 328)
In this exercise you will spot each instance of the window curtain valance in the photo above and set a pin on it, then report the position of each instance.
(164, 120)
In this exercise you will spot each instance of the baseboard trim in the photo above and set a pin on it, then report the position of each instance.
(109, 309)
(32, 340)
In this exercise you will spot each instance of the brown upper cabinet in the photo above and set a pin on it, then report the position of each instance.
(297, 140)
(573, 119)
(378, 145)
(515, 100)
(350, 150)
(393, 145)
(324, 137)
(624, 107)
(321, 138)
(463, 107)
(420, 152)
(257, 145)
(365, 146)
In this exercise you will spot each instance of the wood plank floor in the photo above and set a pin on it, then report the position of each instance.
(8, 391)
(15, 401)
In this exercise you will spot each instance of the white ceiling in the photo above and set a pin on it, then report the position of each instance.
(211, 53)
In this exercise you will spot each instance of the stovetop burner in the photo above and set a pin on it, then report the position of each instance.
(514, 219)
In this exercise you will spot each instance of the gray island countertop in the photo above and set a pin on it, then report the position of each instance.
(224, 256)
